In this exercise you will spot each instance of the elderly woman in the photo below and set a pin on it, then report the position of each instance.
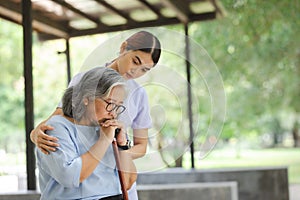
(83, 166)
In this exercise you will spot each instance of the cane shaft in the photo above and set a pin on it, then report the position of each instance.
(121, 175)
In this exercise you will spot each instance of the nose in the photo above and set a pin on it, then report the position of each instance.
(113, 113)
(133, 70)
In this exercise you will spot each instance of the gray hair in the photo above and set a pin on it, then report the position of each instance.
(95, 83)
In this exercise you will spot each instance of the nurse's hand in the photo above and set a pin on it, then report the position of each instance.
(43, 141)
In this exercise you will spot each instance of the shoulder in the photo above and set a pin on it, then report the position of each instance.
(136, 93)
(57, 119)
(79, 75)
(134, 87)
(60, 124)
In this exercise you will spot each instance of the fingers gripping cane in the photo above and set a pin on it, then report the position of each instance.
(117, 158)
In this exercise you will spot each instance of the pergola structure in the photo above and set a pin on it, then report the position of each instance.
(56, 19)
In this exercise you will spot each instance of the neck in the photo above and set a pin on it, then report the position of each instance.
(71, 119)
(83, 121)
(113, 65)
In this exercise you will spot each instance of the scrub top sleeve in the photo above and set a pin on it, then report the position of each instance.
(143, 118)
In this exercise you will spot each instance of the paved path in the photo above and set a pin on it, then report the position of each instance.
(11, 185)
(294, 191)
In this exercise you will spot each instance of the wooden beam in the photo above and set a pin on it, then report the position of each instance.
(219, 9)
(79, 12)
(203, 16)
(44, 37)
(12, 12)
(181, 8)
(115, 10)
(152, 23)
(152, 8)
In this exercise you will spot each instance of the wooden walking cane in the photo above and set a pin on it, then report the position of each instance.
(117, 158)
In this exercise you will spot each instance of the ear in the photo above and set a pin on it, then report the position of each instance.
(85, 101)
(123, 47)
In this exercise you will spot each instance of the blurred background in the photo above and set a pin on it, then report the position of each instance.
(256, 48)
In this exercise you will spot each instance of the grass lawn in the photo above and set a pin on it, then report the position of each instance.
(228, 158)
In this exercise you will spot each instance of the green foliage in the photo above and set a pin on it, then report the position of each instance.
(49, 81)
(11, 87)
(49, 77)
(256, 47)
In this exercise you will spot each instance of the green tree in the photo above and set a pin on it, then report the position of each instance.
(256, 47)
(11, 88)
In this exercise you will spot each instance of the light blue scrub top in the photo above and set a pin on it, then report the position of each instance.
(60, 170)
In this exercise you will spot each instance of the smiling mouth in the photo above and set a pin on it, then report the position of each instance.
(129, 76)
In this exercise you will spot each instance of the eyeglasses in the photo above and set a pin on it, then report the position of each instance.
(112, 106)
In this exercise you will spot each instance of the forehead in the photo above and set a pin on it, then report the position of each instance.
(146, 58)
(117, 93)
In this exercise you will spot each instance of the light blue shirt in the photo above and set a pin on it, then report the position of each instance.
(59, 171)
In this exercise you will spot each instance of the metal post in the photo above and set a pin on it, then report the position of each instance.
(68, 60)
(67, 53)
(29, 116)
(189, 90)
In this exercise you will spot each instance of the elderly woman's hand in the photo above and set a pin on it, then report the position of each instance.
(115, 124)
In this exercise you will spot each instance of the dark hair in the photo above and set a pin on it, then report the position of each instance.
(95, 83)
(146, 42)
